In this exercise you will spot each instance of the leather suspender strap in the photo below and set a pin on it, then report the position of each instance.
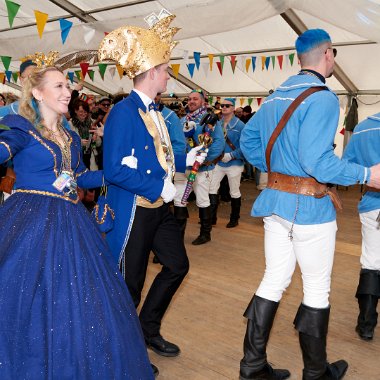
(230, 144)
(285, 117)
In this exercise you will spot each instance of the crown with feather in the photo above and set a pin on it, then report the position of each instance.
(136, 49)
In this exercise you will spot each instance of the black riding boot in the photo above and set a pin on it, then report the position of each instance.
(235, 212)
(254, 365)
(312, 325)
(214, 203)
(368, 294)
(181, 215)
(205, 233)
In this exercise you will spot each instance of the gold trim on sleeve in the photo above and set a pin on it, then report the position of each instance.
(8, 149)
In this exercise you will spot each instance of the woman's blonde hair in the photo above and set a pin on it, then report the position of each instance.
(28, 106)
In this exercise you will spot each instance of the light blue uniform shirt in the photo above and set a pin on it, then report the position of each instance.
(304, 148)
(364, 149)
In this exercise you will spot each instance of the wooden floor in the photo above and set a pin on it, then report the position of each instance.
(205, 318)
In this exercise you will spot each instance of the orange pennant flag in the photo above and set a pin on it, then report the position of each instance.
(175, 68)
(120, 70)
(247, 64)
(41, 19)
(2, 78)
(263, 59)
(280, 58)
(211, 59)
(241, 102)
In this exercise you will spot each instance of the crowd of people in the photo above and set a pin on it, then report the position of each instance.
(68, 296)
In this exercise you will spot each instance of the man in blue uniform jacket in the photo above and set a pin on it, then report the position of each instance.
(139, 166)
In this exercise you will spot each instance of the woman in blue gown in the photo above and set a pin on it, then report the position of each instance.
(65, 311)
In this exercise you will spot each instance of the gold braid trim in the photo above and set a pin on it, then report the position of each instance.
(48, 194)
(104, 214)
(79, 174)
(8, 149)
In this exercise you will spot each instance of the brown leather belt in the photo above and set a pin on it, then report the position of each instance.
(369, 188)
(214, 161)
(302, 185)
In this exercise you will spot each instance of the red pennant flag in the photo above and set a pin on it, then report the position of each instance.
(219, 64)
(84, 67)
(259, 101)
(280, 58)
(233, 63)
(105, 33)
(342, 131)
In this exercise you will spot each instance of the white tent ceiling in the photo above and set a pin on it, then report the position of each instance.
(220, 27)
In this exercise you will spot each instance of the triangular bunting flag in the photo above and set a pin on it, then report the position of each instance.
(197, 59)
(233, 63)
(267, 60)
(89, 34)
(190, 67)
(220, 67)
(241, 101)
(112, 71)
(78, 74)
(221, 60)
(211, 60)
(15, 76)
(259, 101)
(175, 68)
(91, 74)
(242, 60)
(186, 56)
(247, 64)
(253, 64)
(12, 9)
(71, 76)
(263, 58)
(204, 66)
(41, 19)
(280, 59)
(273, 58)
(84, 68)
(102, 68)
(250, 101)
(210, 99)
(65, 26)
(291, 58)
(2, 78)
(342, 131)
(6, 61)
(8, 74)
(120, 70)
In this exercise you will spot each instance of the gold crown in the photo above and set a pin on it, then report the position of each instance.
(136, 49)
(42, 60)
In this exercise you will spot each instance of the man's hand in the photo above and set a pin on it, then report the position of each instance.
(196, 155)
(375, 176)
(169, 190)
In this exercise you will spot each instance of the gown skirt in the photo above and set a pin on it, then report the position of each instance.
(65, 311)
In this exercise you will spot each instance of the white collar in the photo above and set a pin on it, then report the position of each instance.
(144, 98)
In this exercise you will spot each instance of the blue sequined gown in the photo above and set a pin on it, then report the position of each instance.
(65, 311)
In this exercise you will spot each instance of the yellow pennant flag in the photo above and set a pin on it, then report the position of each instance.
(263, 59)
(247, 64)
(241, 102)
(41, 19)
(211, 59)
(120, 70)
(175, 68)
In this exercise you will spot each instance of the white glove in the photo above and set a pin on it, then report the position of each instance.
(196, 155)
(169, 190)
(227, 157)
(130, 161)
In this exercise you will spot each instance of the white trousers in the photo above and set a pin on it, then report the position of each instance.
(180, 181)
(233, 174)
(370, 258)
(312, 248)
(201, 188)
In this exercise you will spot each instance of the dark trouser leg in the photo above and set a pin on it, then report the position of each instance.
(170, 250)
(181, 214)
(205, 233)
(254, 365)
(368, 293)
(312, 325)
(235, 212)
(214, 203)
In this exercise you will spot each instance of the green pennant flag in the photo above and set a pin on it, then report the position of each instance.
(221, 59)
(102, 69)
(273, 58)
(210, 99)
(6, 61)
(250, 101)
(78, 74)
(15, 76)
(91, 74)
(12, 9)
(291, 58)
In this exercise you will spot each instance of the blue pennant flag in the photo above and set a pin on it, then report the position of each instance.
(65, 28)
